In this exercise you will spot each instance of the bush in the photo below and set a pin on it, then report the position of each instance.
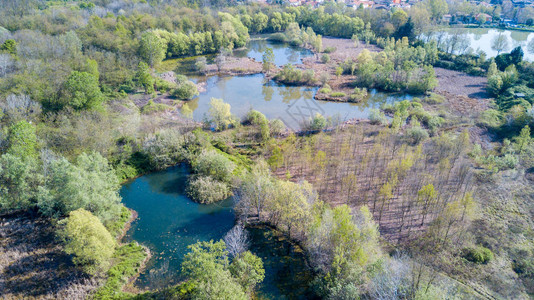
(290, 75)
(318, 122)
(128, 259)
(277, 127)
(329, 49)
(416, 134)
(163, 85)
(204, 189)
(215, 165)
(325, 89)
(152, 107)
(358, 94)
(338, 94)
(325, 58)
(88, 240)
(434, 99)
(490, 118)
(377, 117)
(478, 255)
(186, 91)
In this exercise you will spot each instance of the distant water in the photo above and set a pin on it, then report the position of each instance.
(482, 39)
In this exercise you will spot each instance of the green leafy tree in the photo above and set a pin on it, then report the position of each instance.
(88, 240)
(438, 8)
(220, 115)
(9, 46)
(524, 139)
(206, 266)
(215, 165)
(22, 140)
(81, 91)
(268, 60)
(90, 184)
(144, 77)
(152, 48)
(186, 91)
(18, 181)
(248, 269)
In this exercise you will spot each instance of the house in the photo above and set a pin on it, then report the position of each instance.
(447, 18)
(483, 18)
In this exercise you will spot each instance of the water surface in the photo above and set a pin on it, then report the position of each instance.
(481, 39)
(293, 105)
(169, 221)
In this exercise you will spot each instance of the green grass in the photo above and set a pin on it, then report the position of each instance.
(128, 259)
(152, 107)
(116, 228)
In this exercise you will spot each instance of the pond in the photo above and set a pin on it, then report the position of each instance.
(483, 39)
(293, 105)
(283, 53)
(169, 221)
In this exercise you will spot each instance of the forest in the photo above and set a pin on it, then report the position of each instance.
(427, 197)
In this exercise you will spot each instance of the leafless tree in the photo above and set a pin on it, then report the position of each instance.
(236, 240)
(6, 64)
(18, 107)
(393, 281)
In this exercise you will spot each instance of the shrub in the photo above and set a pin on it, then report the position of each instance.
(377, 117)
(220, 116)
(186, 91)
(128, 259)
(434, 98)
(325, 58)
(88, 240)
(325, 89)
(490, 118)
(478, 255)
(416, 134)
(329, 49)
(163, 85)
(204, 189)
(318, 122)
(277, 127)
(358, 94)
(152, 107)
(215, 165)
(338, 94)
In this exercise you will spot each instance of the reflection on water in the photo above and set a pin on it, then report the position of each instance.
(293, 105)
(169, 221)
(482, 39)
(287, 276)
(283, 53)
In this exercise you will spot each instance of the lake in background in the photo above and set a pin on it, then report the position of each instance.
(482, 38)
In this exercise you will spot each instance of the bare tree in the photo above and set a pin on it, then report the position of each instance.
(393, 281)
(6, 64)
(18, 107)
(236, 240)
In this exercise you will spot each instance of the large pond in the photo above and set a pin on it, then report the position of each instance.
(169, 221)
(293, 105)
(483, 39)
(283, 53)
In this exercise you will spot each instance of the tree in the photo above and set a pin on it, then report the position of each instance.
(399, 18)
(206, 265)
(204, 189)
(268, 59)
(18, 182)
(500, 43)
(220, 116)
(438, 8)
(215, 165)
(524, 139)
(81, 91)
(88, 240)
(220, 60)
(236, 240)
(144, 77)
(90, 184)
(186, 91)
(9, 46)
(248, 269)
(152, 48)
(22, 140)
